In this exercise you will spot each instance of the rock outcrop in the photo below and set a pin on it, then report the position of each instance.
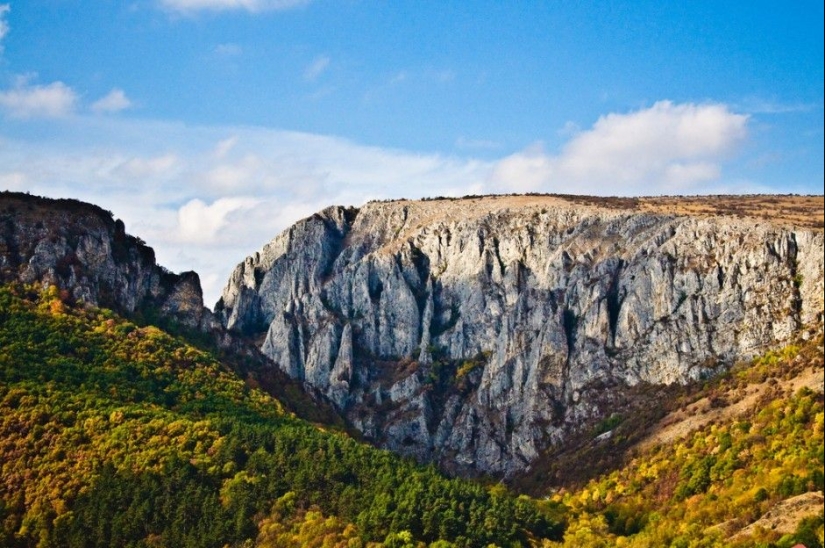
(476, 332)
(80, 248)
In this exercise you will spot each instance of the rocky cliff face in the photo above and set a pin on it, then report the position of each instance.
(83, 250)
(477, 332)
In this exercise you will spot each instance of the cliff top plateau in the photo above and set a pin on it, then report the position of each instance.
(788, 210)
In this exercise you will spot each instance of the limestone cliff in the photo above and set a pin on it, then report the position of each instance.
(83, 250)
(477, 332)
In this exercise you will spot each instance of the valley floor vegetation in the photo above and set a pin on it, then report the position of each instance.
(113, 434)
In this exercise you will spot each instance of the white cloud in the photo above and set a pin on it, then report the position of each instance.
(4, 25)
(54, 100)
(315, 69)
(14, 180)
(114, 101)
(206, 197)
(232, 176)
(140, 168)
(681, 175)
(189, 6)
(225, 146)
(200, 223)
(660, 149)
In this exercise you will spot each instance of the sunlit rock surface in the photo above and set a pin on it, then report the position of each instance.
(472, 332)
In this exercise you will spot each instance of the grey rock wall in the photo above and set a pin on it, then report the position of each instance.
(473, 332)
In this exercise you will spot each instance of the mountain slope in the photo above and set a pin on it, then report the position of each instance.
(86, 253)
(116, 433)
(478, 332)
(748, 472)
(113, 435)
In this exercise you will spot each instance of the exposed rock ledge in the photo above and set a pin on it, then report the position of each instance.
(79, 247)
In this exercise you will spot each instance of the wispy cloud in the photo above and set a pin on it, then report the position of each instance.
(114, 101)
(569, 129)
(53, 100)
(205, 197)
(444, 76)
(664, 148)
(228, 50)
(409, 79)
(141, 168)
(14, 180)
(399, 77)
(4, 25)
(485, 144)
(755, 105)
(190, 6)
(225, 146)
(315, 69)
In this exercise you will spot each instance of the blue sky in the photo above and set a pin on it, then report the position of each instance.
(210, 125)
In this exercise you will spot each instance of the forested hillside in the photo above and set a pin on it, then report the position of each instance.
(748, 473)
(117, 435)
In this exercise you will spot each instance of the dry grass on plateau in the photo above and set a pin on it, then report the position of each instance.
(800, 211)
(785, 210)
